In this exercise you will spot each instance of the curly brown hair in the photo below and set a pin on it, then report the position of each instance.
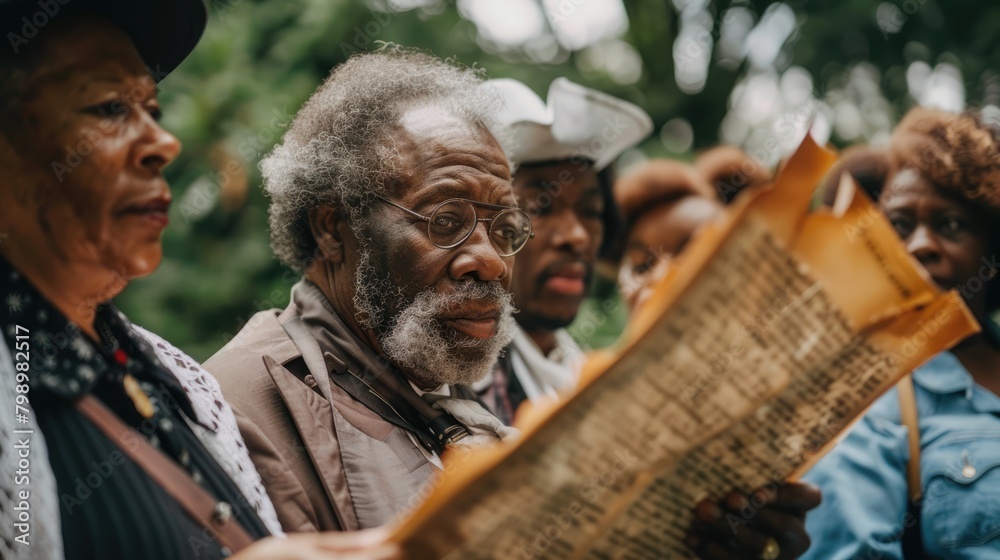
(958, 153)
(730, 170)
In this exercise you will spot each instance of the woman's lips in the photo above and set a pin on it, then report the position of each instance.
(475, 328)
(154, 212)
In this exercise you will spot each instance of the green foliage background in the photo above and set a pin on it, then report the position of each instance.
(259, 60)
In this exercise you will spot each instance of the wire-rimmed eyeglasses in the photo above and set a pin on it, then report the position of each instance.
(453, 221)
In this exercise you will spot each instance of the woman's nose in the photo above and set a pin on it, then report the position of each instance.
(923, 244)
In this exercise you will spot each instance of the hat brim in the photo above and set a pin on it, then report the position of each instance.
(575, 122)
(164, 31)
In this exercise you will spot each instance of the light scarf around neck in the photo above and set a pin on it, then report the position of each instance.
(541, 376)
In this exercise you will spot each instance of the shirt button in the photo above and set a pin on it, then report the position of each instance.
(222, 513)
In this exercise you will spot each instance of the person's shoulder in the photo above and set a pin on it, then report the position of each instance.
(261, 336)
(246, 366)
(175, 360)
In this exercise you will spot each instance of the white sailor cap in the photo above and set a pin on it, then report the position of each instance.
(576, 122)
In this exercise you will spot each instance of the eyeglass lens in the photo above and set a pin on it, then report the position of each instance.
(453, 222)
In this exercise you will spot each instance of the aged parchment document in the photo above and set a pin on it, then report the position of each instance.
(777, 328)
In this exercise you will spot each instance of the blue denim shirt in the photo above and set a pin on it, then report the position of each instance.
(864, 478)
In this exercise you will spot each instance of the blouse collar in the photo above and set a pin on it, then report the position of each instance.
(63, 360)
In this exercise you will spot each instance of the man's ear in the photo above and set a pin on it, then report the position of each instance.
(325, 224)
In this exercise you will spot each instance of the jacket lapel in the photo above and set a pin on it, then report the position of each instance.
(313, 418)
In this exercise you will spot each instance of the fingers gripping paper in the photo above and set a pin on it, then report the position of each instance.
(776, 329)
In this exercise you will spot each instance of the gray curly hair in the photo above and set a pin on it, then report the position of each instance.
(338, 149)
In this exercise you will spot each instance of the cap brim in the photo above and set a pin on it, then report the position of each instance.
(164, 31)
(575, 122)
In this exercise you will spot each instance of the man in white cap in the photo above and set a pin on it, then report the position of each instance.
(562, 150)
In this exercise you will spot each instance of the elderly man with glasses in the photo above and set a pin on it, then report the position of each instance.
(393, 199)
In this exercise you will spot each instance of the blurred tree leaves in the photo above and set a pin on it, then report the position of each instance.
(231, 101)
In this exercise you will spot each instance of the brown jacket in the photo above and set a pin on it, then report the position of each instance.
(349, 468)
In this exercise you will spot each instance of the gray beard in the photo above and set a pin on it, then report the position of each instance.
(373, 289)
(418, 342)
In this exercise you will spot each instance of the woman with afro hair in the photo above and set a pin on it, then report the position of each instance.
(929, 485)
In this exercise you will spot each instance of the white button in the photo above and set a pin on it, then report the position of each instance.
(222, 513)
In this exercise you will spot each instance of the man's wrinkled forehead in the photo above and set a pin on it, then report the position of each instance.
(429, 121)
(435, 144)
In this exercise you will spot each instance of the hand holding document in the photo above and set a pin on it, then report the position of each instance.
(775, 330)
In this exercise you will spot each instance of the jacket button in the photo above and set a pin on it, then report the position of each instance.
(222, 513)
(968, 470)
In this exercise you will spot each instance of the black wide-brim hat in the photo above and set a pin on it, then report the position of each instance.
(164, 31)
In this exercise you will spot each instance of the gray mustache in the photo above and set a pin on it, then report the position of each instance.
(481, 290)
(491, 292)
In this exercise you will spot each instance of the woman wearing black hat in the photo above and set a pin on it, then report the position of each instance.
(115, 444)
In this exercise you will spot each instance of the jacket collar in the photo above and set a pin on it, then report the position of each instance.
(944, 374)
(333, 333)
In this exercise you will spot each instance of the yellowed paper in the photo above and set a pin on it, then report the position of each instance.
(777, 328)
